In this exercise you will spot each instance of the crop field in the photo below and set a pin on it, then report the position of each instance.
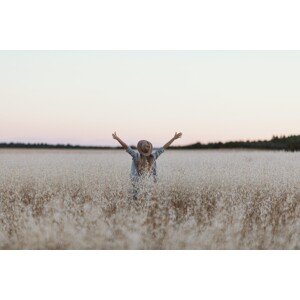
(61, 199)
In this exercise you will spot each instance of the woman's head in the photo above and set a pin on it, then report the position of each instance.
(145, 147)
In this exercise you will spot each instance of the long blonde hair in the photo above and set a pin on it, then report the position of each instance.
(145, 164)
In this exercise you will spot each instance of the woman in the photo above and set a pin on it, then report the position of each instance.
(144, 161)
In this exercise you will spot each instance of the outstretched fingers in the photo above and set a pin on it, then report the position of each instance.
(178, 135)
(114, 135)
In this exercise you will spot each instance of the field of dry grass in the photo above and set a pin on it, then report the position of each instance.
(204, 200)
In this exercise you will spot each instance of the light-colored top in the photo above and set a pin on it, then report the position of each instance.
(136, 156)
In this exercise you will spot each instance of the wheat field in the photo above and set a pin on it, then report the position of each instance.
(62, 199)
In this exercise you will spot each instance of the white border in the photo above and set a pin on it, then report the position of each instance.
(149, 274)
(150, 25)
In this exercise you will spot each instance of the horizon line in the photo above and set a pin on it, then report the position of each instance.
(2, 143)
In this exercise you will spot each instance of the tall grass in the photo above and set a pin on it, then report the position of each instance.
(203, 200)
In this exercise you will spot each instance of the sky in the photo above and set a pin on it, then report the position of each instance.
(81, 97)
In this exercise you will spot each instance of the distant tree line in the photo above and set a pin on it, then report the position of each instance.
(287, 143)
(49, 146)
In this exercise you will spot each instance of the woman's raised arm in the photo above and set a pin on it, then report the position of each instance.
(115, 137)
(176, 136)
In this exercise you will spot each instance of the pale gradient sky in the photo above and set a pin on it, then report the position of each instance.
(81, 97)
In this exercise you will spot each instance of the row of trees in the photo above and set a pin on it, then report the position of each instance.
(48, 146)
(287, 143)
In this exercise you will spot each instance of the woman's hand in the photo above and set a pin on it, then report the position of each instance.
(114, 135)
(177, 135)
